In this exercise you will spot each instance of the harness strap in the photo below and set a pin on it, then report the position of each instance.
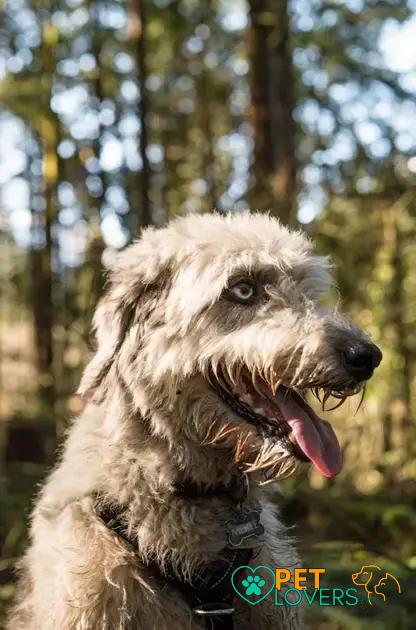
(209, 593)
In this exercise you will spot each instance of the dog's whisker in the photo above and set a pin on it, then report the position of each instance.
(341, 402)
(361, 400)
(224, 432)
(240, 446)
(327, 395)
(240, 442)
(206, 440)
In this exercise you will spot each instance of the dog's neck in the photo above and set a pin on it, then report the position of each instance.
(152, 481)
(162, 461)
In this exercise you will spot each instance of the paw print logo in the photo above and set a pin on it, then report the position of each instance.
(253, 585)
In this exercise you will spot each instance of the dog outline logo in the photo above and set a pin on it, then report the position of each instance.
(369, 578)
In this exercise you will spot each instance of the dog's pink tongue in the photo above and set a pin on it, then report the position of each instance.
(314, 436)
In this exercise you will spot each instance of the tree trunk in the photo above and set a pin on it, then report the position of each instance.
(206, 125)
(137, 32)
(95, 203)
(95, 246)
(41, 254)
(274, 166)
(398, 306)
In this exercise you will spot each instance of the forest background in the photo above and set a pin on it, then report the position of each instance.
(117, 114)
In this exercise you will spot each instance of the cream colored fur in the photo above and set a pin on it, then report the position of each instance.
(152, 420)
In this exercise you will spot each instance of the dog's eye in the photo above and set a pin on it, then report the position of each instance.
(243, 292)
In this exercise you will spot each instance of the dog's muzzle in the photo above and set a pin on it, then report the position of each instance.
(284, 416)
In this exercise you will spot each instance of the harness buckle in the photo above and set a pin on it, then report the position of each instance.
(213, 609)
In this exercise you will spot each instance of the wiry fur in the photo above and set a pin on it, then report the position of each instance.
(153, 420)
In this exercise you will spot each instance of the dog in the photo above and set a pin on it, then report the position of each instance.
(208, 338)
(373, 583)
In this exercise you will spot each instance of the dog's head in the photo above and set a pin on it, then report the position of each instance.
(213, 327)
(364, 576)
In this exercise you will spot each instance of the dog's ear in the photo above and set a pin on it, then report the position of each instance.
(134, 273)
(111, 322)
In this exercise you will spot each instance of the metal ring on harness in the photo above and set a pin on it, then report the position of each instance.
(213, 610)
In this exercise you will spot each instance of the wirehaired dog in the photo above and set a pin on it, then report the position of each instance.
(207, 339)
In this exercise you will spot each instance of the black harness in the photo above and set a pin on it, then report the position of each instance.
(209, 592)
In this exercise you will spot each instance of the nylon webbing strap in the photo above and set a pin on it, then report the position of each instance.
(209, 592)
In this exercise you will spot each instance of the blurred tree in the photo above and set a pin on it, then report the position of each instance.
(137, 30)
(43, 252)
(121, 113)
(353, 147)
(272, 104)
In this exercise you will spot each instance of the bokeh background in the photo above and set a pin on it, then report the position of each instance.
(117, 114)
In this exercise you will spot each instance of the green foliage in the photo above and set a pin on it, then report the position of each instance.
(109, 106)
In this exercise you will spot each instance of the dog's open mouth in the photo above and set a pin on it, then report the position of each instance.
(286, 416)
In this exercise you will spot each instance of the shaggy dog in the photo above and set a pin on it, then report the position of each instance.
(207, 338)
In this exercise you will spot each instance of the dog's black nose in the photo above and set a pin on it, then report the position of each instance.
(361, 360)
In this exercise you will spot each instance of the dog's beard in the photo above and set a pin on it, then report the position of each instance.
(282, 417)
